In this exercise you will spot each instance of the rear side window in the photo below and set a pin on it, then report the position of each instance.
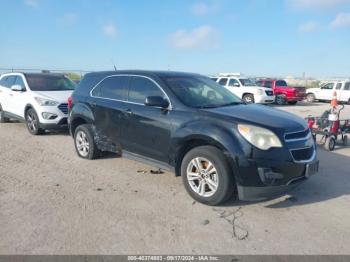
(223, 81)
(338, 86)
(141, 87)
(8, 81)
(347, 86)
(114, 87)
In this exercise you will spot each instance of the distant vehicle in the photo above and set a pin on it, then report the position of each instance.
(284, 93)
(191, 125)
(39, 100)
(326, 91)
(246, 89)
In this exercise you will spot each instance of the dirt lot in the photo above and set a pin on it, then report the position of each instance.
(52, 202)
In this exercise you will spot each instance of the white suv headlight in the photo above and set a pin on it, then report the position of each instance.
(260, 137)
(45, 102)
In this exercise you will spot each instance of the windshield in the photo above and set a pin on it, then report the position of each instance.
(49, 83)
(247, 82)
(200, 92)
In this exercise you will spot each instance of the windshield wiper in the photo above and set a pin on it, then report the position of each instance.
(220, 105)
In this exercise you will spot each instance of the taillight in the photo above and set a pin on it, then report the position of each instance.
(70, 102)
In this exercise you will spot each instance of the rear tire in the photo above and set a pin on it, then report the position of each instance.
(330, 143)
(345, 140)
(32, 122)
(84, 142)
(207, 176)
(310, 98)
(248, 98)
(3, 119)
(280, 100)
(292, 102)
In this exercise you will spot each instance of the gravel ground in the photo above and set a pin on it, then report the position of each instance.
(53, 202)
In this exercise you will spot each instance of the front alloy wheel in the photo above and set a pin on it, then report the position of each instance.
(202, 177)
(84, 142)
(32, 121)
(207, 175)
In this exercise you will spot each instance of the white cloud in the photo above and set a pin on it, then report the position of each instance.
(317, 4)
(200, 9)
(201, 37)
(32, 3)
(110, 30)
(308, 27)
(341, 20)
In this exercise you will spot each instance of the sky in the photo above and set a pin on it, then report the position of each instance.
(254, 37)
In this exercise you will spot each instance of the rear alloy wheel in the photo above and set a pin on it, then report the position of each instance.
(280, 100)
(3, 119)
(207, 176)
(249, 99)
(84, 142)
(32, 122)
(310, 98)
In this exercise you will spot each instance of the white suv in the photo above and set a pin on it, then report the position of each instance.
(246, 89)
(39, 99)
(326, 90)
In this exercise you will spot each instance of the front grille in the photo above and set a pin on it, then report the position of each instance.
(303, 154)
(63, 108)
(269, 93)
(297, 135)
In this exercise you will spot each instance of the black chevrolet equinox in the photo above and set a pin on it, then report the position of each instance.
(191, 125)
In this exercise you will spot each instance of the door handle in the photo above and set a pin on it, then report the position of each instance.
(128, 111)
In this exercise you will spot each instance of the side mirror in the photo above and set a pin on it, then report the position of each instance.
(17, 88)
(157, 101)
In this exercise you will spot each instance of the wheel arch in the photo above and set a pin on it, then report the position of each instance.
(80, 114)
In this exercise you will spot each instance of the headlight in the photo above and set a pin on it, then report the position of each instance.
(260, 137)
(259, 92)
(45, 102)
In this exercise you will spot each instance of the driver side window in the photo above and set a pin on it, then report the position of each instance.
(328, 86)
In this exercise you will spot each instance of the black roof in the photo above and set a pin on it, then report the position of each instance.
(142, 72)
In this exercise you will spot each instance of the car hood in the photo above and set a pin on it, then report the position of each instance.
(59, 96)
(261, 115)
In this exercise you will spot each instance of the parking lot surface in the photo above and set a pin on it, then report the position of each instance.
(53, 202)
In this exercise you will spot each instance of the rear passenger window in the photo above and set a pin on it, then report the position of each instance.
(114, 87)
(223, 81)
(347, 86)
(140, 88)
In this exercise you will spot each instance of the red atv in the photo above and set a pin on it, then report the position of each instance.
(284, 93)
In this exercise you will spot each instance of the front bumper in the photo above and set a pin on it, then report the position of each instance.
(61, 125)
(259, 193)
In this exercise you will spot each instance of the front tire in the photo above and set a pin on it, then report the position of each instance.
(248, 98)
(207, 175)
(32, 122)
(84, 142)
(280, 100)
